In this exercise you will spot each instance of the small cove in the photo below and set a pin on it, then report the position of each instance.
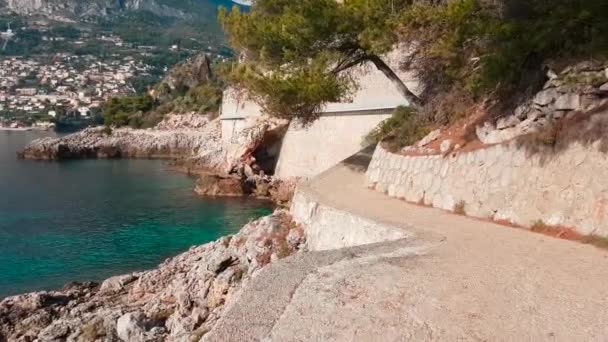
(88, 220)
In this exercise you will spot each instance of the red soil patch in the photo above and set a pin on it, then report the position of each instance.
(461, 133)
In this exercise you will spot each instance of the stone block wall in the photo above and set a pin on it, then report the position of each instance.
(564, 185)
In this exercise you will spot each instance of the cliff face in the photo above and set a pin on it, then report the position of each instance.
(75, 9)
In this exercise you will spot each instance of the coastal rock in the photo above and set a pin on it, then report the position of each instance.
(199, 148)
(578, 88)
(213, 185)
(116, 284)
(185, 121)
(130, 327)
(179, 300)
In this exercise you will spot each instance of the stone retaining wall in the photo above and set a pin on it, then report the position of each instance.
(565, 185)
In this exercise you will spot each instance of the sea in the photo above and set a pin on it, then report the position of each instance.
(88, 220)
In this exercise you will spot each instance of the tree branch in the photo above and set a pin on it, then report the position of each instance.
(347, 64)
(414, 101)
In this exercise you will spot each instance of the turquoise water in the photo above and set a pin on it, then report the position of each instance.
(88, 220)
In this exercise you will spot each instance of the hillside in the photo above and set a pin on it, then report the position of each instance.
(70, 10)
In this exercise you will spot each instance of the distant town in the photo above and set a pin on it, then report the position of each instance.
(50, 76)
(72, 86)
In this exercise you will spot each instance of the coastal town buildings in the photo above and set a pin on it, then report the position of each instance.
(63, 83)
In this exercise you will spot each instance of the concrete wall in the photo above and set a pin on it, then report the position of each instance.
(231, 129)
(331, 228)
(566, 185)
(308, 151)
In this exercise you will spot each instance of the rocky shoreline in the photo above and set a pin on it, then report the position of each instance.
(194, 145)
(182, 299)
(194, 138)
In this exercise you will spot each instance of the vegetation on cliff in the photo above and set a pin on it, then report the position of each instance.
(188, 87)
(465, 52)
(298, 52)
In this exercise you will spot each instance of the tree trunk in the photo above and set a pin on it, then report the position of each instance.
(414, 101)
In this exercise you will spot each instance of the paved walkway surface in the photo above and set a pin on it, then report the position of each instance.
(457, 279)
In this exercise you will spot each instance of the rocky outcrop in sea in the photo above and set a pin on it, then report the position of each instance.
(194, 144)
(180, 300)
(194, 139)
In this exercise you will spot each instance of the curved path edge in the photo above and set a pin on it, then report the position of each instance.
(418, 274)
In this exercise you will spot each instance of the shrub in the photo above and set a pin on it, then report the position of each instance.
(107, 130)
(459, 208)
(403, 128)
(596, 240)
(539, 226)
(488, 46)
(122, 111)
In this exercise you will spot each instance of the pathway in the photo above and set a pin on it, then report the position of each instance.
(456, 279)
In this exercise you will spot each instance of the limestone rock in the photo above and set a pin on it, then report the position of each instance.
(568, 102)
(484, 131)
(200, 148)
(185, 121)
(186, 75)
(445, 145)
(545, 97)
(169, 303)
(429, 138)
(506, 122)
(521, 111)
(117, 283)
(213, 185)
(130, 327)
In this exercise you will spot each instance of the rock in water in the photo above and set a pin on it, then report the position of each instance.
(213, 185)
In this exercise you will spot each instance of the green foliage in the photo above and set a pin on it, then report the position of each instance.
(203, 98)
(403, 128)
(145, 111)
(298, 52)
(65, 31)
(122, 111)
(486, 47)
(299, 93)
(107, 130)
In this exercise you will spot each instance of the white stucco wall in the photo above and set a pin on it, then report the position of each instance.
(308, 151)
(236, 105)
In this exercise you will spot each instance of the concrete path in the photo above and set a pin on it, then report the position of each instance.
(455, 279)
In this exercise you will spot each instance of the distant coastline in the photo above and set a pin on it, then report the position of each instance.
(25, 129)
(19, 129)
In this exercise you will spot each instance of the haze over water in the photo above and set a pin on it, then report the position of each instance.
(88, 220)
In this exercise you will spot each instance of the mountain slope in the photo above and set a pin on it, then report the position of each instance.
(78, 9)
